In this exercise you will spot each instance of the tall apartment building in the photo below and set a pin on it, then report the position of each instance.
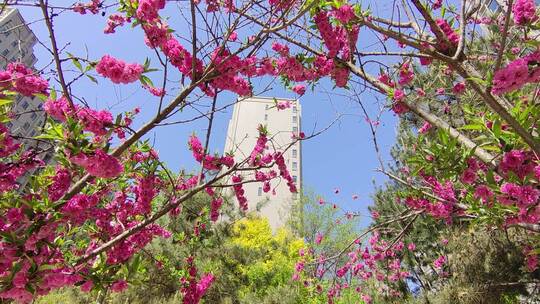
(242, 135)
(17, 45)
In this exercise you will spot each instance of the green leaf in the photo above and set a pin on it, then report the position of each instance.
(92, 78)
(146, 81)
(4, 101)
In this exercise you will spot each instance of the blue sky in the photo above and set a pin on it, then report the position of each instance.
(342, 157)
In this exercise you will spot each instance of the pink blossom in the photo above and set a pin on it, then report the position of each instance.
(344, 13)
(459, 88)
(318, 238)
(119, 286)
(60, 185)
(99, 164)
(118, 71)
(299, 89)
(524, 12)
(439, 262)
(425, 128)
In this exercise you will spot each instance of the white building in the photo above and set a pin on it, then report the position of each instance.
(16, 44)
(242, 136)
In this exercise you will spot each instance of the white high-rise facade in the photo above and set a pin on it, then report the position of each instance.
(16, 45)
(242, 136)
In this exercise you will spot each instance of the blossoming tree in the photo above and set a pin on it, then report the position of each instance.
(82, 219)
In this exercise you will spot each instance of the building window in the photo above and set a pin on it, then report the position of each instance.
(265, 116)
(295, 119)
(5, 52)
(25, 105)
(34, 116)
(259, 191)
(14, 43)
(294, 109)
(266, 107)
(294, 166)
(294, 153)
(494, 6)
(294, 178)
(26, 125)
(295, 129)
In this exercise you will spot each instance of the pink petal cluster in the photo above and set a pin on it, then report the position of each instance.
(215, 205)
(516, 74)
(344, 13)
(258, 150)
(209, 162)
(299, 89)
(93, 7)
(114, 21)
(239, 192)
(147, 10)
(518, 162)
(146, 189)
(60, 184)
(7, 144)
(280, 5)
(406, 75)
(22, 80)
(524, 12)
(99, 164)
(94, 121)
(194, 290)
(283, 172)
(451, 35)
(459, 88)
(118, 71)
(425, 128)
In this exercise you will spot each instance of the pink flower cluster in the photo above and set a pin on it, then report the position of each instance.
(398, 106)
(518, 162)
(146, 189)
(451, 35)
(281, 5)
(7, 144)
(114, 21)
(147, 10)
(194, 291)
(209, 162)
(94, 121)
(60, 184)
(380, 260)
(118, 71)
(92, 6)
(258, 150)
(80, 208)
(344, 13)
(283, 172)
(337, 40)
(22, 80)
(439, 262)
(517, 73)
(215, 205)
(229, 67)
(299, 89)
(282, 105)
(406, 75)
(99, 164)
(425, 128)
(239, 192)
(10, 171)
(524, 12)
